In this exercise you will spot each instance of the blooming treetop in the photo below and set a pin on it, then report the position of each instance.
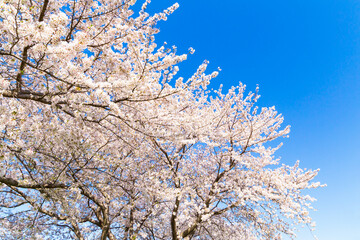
(99, 138)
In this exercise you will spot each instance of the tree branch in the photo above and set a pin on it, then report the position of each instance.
(43, 10)
(22, 67)
(14, 183)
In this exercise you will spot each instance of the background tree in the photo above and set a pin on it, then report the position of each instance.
(99, 141)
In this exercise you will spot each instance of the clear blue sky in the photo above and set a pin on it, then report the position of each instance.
(305, 56)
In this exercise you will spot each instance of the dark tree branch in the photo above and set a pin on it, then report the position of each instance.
(22, 67)
(43, 10)
(14, 183)
(173, 219)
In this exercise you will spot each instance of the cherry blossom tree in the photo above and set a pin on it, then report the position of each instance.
(100, 139)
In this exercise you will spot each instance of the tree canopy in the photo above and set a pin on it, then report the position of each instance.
(101, 139)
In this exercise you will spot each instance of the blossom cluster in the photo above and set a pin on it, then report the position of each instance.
(101, 139)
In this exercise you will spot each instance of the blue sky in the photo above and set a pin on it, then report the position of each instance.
(305, 56)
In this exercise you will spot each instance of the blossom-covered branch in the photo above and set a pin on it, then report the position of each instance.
(100, 138)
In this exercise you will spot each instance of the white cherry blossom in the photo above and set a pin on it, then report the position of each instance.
(100, 138)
